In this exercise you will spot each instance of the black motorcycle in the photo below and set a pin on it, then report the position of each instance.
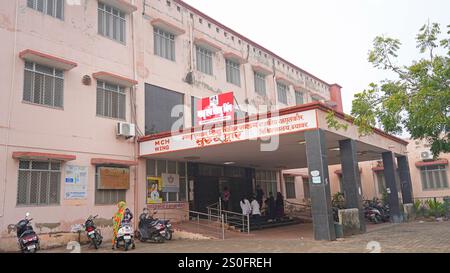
(27, 238)
(94, 234)
(168, 229)
(150, 229)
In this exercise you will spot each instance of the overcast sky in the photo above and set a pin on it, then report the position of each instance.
(330, 38)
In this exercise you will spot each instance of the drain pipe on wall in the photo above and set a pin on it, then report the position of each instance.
(11, 99)
(134, 119)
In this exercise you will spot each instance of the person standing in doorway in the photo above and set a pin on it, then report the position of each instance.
(226, 198)
(279, 206)
(259, 195)
(271, 207)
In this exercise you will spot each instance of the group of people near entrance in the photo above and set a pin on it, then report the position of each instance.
(271, 209)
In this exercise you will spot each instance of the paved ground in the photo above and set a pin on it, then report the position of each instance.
(407, 237)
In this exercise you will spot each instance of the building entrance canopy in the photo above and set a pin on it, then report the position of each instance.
(267, 141)
(296, 137)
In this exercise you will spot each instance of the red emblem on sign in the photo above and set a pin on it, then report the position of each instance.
(215, 109)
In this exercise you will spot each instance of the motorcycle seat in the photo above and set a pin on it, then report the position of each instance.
(27, 232)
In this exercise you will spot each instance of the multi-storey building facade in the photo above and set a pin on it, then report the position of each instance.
(72, 70)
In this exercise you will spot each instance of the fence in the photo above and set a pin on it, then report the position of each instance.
(202, 223)
(238, 220)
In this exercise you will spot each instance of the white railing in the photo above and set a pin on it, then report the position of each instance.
(205, 223)
(231, 218)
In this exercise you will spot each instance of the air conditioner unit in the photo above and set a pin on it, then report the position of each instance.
(127, 130)
(427, 155)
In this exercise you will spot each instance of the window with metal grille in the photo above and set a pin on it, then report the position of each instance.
(54, 8)
(313, 98)
(233, 71)
(107, 197)
(164, 44)
(289, 181)
(110, 100)
(299, 98)
(282, 92)
(434, 177)
(260, 83)
(381, 181)
(204, 60)
(43, 85)
(155, 168)
(268, 182)
(111, 23)
(39, 183)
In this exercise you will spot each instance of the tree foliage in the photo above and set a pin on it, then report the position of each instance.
(418, 99)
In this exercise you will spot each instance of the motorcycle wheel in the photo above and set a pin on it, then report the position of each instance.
(127, 245)
(168, 235)
(95, 243)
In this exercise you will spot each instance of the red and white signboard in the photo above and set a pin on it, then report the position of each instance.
(215, 109)
(253, 129)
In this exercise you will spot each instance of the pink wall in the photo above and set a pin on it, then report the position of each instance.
(74, 130)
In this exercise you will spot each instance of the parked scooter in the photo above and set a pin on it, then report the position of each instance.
(27, 238)
(94, 234)
(150, 229)
(125, 235)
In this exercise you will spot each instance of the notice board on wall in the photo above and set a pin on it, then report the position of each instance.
(110, 178)
(75, 182)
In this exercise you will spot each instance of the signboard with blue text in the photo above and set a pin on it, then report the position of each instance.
(75, 182)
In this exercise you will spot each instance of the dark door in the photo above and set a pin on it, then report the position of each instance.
(206, 192)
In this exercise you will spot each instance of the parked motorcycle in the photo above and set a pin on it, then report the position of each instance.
(27, 238)
(373, 215)
(150, 229)
(125, 235)
(168, 229)
(92, 232)
(384, 211)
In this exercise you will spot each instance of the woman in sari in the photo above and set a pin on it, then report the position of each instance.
(117, 220)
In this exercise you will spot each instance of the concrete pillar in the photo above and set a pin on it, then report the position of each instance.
(319, 183)
(352, 179)
(405, 179)
(391, 187)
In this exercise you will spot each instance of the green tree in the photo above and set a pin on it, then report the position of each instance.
(418, 99)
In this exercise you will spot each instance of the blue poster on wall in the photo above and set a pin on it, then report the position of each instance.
(75, 186)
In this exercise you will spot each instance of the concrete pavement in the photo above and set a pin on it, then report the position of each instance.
(403, 238)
